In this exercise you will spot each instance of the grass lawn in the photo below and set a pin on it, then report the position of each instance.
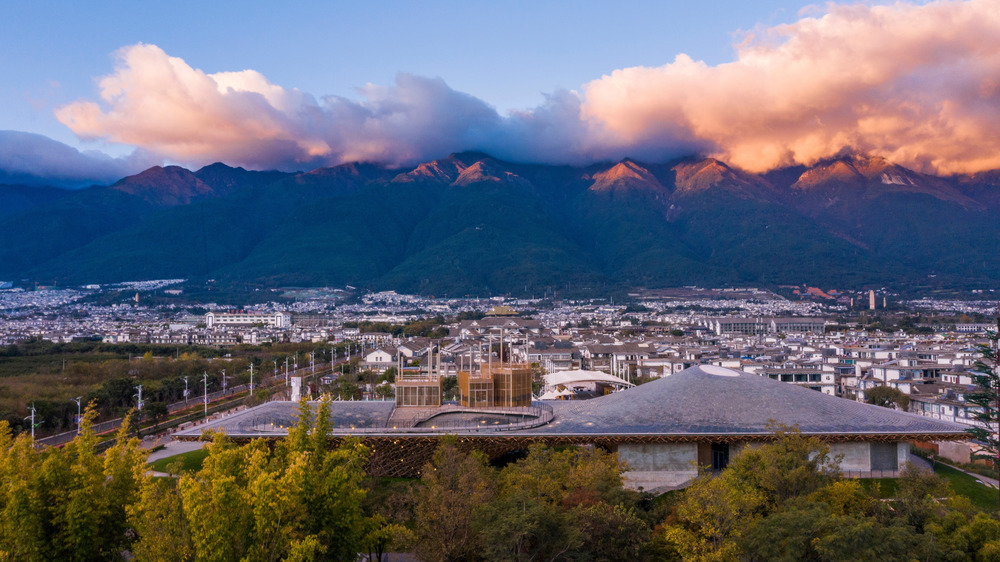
(981, 495)
(886, 486)
(189, 462)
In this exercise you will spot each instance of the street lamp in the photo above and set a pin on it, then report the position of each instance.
(78, 400)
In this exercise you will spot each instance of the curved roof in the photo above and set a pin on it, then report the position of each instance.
(698, 403)
(710, 400)
(566, 378)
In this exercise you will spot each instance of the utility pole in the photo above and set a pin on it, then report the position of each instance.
(286, 370)
(139, 398)
(32, 418)
(204, 378)
(251, 379)
(224, 379)
(186, 391)
(78, 400)
(275, 368)
(312, 361)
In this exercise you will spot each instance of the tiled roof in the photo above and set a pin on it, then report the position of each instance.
(700, 401)
(714, 400)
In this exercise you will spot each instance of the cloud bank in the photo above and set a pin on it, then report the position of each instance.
(27, 158)
(916, 83)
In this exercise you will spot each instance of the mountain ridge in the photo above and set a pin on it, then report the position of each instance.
(472, 223)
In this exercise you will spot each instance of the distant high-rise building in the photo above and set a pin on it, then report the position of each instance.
(871, 300)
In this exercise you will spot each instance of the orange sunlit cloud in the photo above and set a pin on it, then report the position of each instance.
(914, 83)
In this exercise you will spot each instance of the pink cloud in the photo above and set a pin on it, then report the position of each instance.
(916, 83)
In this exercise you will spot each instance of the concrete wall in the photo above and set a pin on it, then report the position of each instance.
(957, 451)
(902, 454)
(659, 466)
(857, 455)
(664, 466)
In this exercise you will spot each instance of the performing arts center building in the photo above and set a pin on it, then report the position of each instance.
(665, 431)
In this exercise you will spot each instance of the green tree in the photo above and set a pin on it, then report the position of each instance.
(963, 531)
(717, 511)
(987, 398)
(712, 517)
(157, 412)
(68, 503)
(918, 496)
(549, 500)
(159, 522)
(610, 532)
(790, 466)
(380, 535)
(888, 397)
(300, 500)
(455, 485)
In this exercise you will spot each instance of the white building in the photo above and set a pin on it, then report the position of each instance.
(272, 319)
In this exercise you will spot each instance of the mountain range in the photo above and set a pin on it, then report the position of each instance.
(472, 224)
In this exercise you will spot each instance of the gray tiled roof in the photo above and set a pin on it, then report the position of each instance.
(713, 400)
(703, 400)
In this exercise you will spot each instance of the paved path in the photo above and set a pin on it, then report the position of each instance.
(171, 448)
(921, 463)
(984, 479)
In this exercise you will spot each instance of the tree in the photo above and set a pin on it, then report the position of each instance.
(68, 503)
(455, 485)
(790, 466)
(300, 500)
(716, 512)
(380, 535)
(610, 532)
(449, 388)
(157, 411)
(888, 397)
(987, 398)
(560, 503)
(158, 519)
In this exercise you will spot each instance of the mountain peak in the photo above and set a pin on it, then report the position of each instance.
(626, 175)
(709, 173)
(841, 171)
(168, 186)
(444, 171)
(219, 167)
(870, 176)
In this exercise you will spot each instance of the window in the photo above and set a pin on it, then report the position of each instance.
(720, 456)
